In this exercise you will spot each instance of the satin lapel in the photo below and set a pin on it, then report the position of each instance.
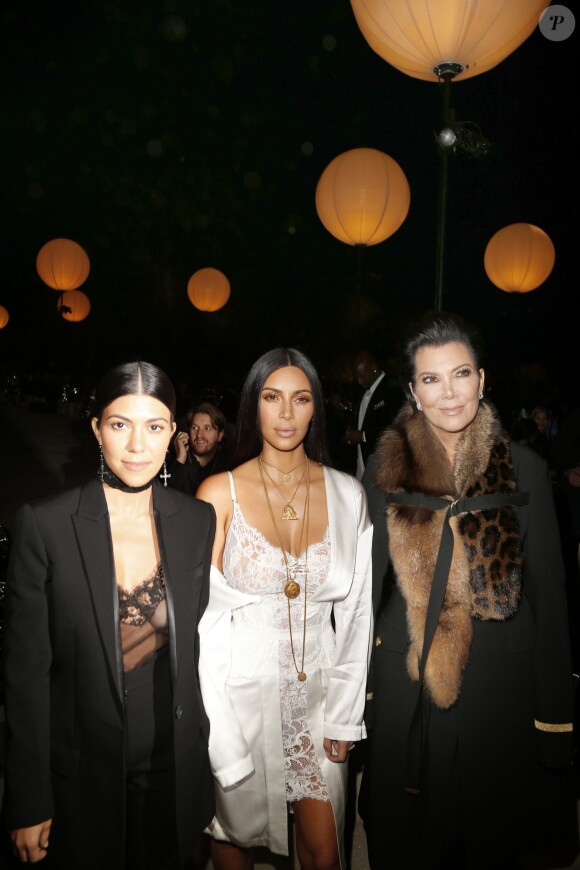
(169, 537)
(93, 535)
(342, 522)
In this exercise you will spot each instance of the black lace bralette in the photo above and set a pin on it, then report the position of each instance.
(138, 606)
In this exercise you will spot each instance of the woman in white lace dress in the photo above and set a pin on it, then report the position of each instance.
(285, 638)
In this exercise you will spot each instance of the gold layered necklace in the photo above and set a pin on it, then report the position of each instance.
(286, 475)
(292, 588)
(288, 512)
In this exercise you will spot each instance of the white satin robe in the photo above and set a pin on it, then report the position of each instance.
(241, 693)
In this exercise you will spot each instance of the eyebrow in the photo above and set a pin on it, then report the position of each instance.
(277, 390)
(433, 372)
(129, 419)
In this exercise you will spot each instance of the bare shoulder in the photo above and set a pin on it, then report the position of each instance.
(215, 489)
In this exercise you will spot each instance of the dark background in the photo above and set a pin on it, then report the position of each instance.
(166, 136)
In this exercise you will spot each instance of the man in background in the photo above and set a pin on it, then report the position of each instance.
(378, 405)
(200, 450)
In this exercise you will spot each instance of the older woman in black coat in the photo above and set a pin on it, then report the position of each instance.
(472, 680)
(106, 734)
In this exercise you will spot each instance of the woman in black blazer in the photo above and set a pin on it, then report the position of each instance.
(106, 734)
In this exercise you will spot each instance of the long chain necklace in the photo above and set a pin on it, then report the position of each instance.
(292, 588)
(286, 475)
(288, 512)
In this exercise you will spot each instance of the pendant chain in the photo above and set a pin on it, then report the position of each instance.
(292, 588)
(288, 512)
(286, 475)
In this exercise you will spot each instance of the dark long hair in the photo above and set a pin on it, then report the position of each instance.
(130, 379)
(248, 432)
(434, 329)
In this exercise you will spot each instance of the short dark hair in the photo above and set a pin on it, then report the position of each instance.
(134, 379)
(218, 420)
(248, 434)
(434, 329)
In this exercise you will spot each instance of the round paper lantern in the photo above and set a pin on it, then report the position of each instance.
(74, 305)
(208, 289)
(63, 264)
(519, 258)
(4, 317)
(362, 197)
(417, 36)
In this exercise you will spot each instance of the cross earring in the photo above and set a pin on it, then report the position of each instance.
(164, 477)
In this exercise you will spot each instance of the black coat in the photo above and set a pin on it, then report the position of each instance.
(484, 790)
(63, 664)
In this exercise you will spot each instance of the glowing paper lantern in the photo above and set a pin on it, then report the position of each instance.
(208, 289)
(417, 36)
(63, 264)
(519, 258)
(362, 197)
(4, 317)
(74, 305)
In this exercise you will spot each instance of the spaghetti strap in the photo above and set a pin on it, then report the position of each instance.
(232, 487)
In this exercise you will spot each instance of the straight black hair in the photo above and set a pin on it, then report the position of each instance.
(134, 379)
(434, 329)
(248, 432)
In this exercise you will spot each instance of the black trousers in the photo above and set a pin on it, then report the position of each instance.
(151, 838)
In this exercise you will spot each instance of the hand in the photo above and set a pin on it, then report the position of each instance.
(573, 475)
(181, 445)
(337, 750)
(30, 844)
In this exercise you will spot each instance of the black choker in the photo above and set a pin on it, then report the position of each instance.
(110, 478)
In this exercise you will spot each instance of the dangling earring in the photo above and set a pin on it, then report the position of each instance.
(480, 396)
(419, 406)
(101, 471)
(165, 475)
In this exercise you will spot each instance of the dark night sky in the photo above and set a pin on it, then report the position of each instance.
(168, 136)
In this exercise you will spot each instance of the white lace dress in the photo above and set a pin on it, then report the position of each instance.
(253, 565)
(267, 728)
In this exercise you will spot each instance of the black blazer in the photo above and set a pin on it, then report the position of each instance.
(63, 671)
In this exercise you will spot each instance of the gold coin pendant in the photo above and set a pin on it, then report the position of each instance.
(287, 478)
(301, 676)
(292, 589)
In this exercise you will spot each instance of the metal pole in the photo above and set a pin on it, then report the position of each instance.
(446, 73)
(441, 228)
(359, 285)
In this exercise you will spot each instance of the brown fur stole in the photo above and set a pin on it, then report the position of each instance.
(485, 575)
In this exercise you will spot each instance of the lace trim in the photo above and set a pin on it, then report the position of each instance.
(138, 606)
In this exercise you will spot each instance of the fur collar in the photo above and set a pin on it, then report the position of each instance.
(412, 459)
(484, 580)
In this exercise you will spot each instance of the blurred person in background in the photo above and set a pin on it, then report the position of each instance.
(200, 450)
